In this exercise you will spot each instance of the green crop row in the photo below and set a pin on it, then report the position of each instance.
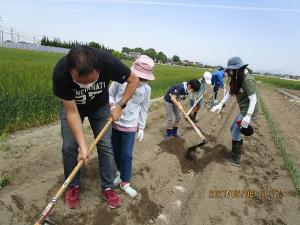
(281, 148)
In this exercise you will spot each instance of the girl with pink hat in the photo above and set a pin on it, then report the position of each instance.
(133, 120)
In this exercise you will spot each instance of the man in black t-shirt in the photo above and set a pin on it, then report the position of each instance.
(81, 81)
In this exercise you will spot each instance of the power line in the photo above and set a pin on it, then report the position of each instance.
(10, 34)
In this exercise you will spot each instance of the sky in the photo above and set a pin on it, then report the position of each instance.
(264, 33)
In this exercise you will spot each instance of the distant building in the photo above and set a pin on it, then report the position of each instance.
(134, 55)
(169, 61)
(191, 63)
(187, 62)
(197, 64)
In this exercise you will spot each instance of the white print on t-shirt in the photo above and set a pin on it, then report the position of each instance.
(241, 90)
(84, 95)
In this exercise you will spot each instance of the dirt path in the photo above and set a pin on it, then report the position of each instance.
(172, 189)
(293, 92)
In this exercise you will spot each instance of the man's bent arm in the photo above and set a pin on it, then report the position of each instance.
(132, 83)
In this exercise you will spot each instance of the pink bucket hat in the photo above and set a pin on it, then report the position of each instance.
(143, 67)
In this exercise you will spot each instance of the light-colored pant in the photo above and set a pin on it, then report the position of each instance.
(172, 110)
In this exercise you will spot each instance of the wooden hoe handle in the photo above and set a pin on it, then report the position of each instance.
(62, 189)
(173, 99)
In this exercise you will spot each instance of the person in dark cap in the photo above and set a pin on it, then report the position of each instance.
(217, 82)
(243, 86)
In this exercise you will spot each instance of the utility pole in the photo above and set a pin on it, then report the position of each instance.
(1, 30)
(12, 34)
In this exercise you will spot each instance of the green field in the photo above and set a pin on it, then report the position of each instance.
(166, 76)
(280, 83)
(26, 97)
(25, 89)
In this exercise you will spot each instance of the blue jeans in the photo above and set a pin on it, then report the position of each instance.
(97, 119)
(235, 129)
(123, 143)
(199, 103)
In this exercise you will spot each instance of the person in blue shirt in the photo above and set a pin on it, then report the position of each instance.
(180, 91)
(194, 98)
(217, 81)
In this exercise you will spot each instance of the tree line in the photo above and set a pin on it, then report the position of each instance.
(125, 53)
(56, 42)
(152, 53)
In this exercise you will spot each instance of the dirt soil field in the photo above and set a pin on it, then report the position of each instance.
(172, 189)
(286, 116)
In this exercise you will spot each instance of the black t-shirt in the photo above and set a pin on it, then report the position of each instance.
(96, 96)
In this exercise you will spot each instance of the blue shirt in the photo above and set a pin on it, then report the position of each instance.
(180, 90)
(217, 78)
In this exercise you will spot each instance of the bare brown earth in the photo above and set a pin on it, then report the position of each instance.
(172, 189)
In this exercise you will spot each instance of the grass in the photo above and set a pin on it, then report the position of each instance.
(167, 75)
(26, 97)
(4, 146)
(278, 140)
(279, 83)
(4, 181)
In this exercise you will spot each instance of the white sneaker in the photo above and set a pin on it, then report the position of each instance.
(117, 180)
(128, 189)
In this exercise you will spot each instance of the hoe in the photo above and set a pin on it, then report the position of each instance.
(43, 219)
(203, 139)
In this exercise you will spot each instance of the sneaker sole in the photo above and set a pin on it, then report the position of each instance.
(232, 163)
(71, 207)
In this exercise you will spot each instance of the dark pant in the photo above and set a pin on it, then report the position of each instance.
(97, 119)
(123, 143)
(216, 89)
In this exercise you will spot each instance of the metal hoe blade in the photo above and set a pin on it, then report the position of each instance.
(48, 222)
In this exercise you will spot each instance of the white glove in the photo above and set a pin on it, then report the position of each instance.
(246, 121)
(217, 108)
(140, 135)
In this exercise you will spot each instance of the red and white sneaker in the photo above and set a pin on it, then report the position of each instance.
(71, 198)
(111, 198)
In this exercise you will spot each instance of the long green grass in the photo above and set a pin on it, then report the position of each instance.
(279, 83)
(26, 97)
(278, 140)
(167, 75)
